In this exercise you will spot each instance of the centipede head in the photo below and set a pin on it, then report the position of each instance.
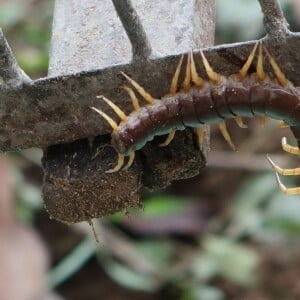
(119, 143)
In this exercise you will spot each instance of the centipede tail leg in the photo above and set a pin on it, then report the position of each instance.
(285, 190)
(119, 164)
(289, 172)
(288, 148)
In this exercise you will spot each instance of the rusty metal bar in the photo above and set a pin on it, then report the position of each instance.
(10, 72)
(274, 21)
(57, 110)
(141, 48)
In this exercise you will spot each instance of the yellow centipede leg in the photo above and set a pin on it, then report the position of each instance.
(239, 121)
(134, 100)
(278, 73)
(130, 161)
(187, 79)
(244, 70)
(282, 124)
(140, 89)
(168, 139)
(200, 136)
(288, 148)
(109, 120)
(115, 108)
(212, 75)
(174, 82)
(118, 165)
(285, 190)
(288, 172)
(196, 79)
(260, 67)
(262, 120)
(224, 131)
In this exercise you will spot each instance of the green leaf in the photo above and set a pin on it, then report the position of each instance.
(130, 278)
(233, 261)
(157, 206)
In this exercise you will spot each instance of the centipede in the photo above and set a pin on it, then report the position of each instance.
(199, 101)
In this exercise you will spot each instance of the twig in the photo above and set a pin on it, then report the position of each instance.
(141, 48)
(274, 21)
(10, 72)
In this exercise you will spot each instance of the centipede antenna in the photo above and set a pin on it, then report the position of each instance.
(200, 135)
(260, 67)
(198, 81)
(118, 165)
(187, 79)
(134, 99)
(140, 89)
(282, 124)
(244, 70)
(287, 172)
(224, 131)
(115, 108)
(262, 120)
(284, 189)
(174, 82)
(278, 73)
(239, 122)
(212, 75)
(109, 120)
(168, 139)
(130, 161)
(288, 148)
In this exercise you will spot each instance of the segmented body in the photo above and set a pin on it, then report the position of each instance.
(201, 102)
(210, 104)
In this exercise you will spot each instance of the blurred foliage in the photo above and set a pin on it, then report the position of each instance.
(27, 24)
(241, 20)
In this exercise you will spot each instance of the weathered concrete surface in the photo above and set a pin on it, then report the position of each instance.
(89, 35)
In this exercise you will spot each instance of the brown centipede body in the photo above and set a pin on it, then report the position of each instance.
(201, 102)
